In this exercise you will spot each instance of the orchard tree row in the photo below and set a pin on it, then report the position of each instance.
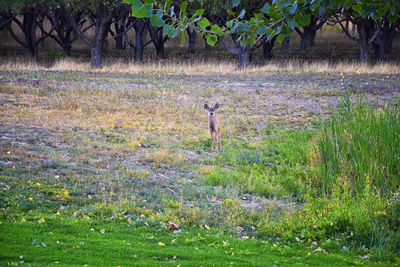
(240, 26)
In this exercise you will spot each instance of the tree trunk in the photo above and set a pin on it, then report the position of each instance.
(67, 43)
(139, 25)
(267, 48)
(95, 60)
(120, 41)
(363, 36)
(160, 50)
(29, 29)
(383, 41)
(138, 56)
(158, 40)
(244, 56)
(120, 28)
(102, 26)
(307, 38)
(192, 40)
(285, 45)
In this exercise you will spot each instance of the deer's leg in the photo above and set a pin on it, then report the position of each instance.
(212, 139)
(219, 140)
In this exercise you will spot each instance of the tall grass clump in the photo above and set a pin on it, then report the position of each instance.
(354, 197)
(360, 144)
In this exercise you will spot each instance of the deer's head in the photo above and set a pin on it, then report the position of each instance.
(211, 110)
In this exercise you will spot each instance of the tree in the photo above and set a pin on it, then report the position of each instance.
(249, 30)
(139, 25)
(101, 13)
(308, 32)
(375, 21)
(32, 14)
(122, 24)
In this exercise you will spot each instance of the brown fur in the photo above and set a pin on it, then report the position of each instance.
(214, 126)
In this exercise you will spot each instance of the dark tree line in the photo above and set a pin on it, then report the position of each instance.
(240, 26)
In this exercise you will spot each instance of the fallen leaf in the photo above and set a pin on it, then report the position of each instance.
(161, 244)
(173, 226)
(41, 220)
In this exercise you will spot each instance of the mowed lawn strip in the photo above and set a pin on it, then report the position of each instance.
(73, 242)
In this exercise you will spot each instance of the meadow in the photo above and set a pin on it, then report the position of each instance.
(95, 164)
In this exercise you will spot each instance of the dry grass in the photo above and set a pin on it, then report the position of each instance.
(164, 156)
(207, 67)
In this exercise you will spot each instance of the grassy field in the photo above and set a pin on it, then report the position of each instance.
(68, 242)
(93, 165)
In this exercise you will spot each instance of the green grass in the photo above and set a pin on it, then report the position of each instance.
(353, 193)
(361, 144)
(72, 242)
(108, 150)
(275, 166)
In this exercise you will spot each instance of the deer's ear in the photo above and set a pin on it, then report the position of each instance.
(206, 106)
(216, 106)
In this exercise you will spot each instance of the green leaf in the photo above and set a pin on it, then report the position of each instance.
(286, 30)
(280, 38)
(357, 8)
(211, 39)
(160, 13)
(271, 33)
(156, 21)
(234, 28)
(242, 13)
(183, 38)
(235, 3)
(169, 31)
(217, 30)
(243, 27)
(199, 12)
(183, 7)
(167, 4)
(262, 30)
(140, 10)
(293, 9)
(304, 20)
(204, 23)
(265, 9)
(292, 24)
(258, 16)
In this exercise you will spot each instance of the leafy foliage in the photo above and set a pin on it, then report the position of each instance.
(276, 18)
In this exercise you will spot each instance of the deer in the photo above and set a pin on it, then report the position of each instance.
(214, 126)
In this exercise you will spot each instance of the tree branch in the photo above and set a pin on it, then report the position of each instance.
(78, 30)
(16, 38)
(348, 34)
(228, 46)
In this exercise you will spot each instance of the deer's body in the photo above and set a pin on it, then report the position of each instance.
(214, 126)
